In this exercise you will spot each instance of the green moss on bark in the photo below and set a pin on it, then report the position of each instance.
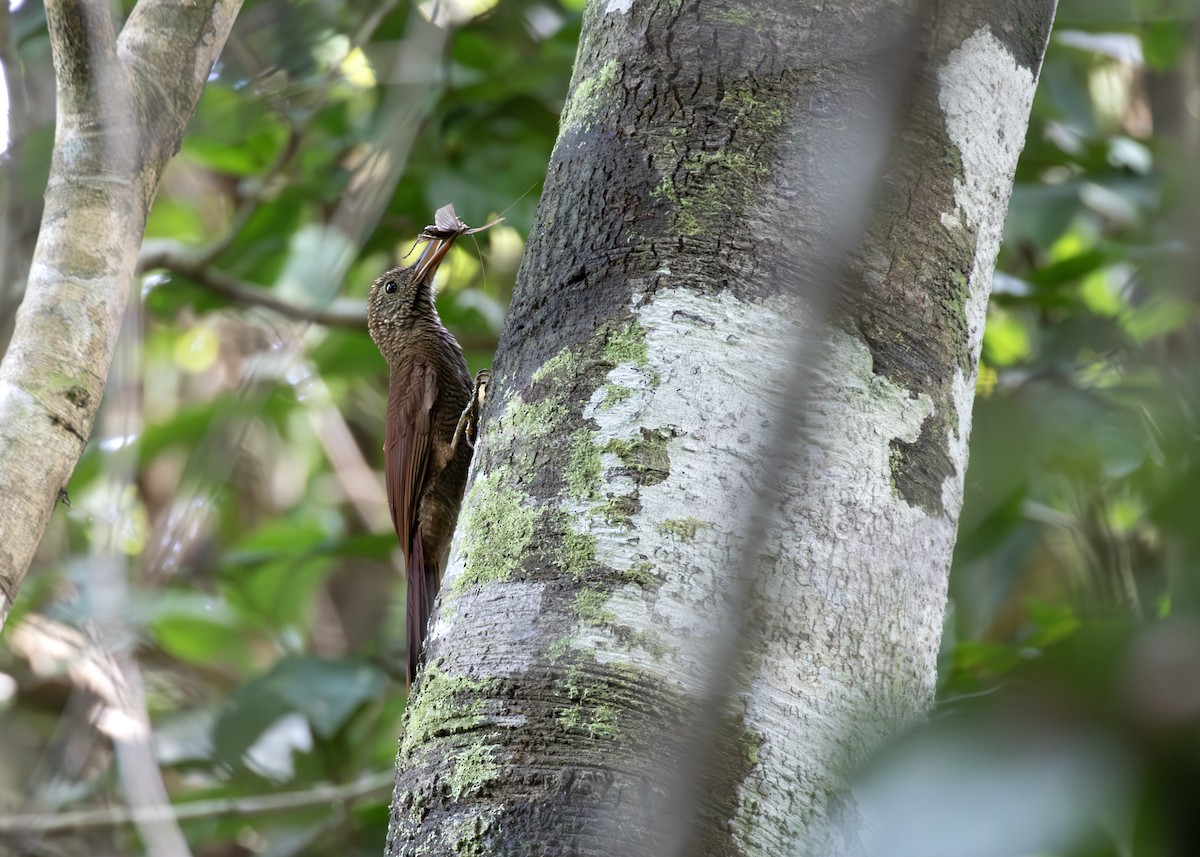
(614, 394)
(582, 475)
(645, 459)
(590, 607)
(473, 769)
(684, 529)
(578, 554)
(499, 528)
(642, 575)
(626, 345)
(436, 708)
(588, 97)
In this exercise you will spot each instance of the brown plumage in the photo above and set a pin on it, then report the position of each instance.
(431, 413)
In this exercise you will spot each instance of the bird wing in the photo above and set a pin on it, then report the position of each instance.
(406, 451)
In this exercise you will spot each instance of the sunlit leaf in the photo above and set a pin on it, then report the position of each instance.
(196, 349)
(1005, 339)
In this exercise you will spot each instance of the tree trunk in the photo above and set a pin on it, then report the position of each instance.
(710, 173)
(122, 105)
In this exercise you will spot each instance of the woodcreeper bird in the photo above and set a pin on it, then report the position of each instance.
(432, 419)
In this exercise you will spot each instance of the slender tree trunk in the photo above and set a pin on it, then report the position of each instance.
(30, 107)
(122, 105)
(641, 494)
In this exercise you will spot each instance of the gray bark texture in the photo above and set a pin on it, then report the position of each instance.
(122, 105)
(701, 568)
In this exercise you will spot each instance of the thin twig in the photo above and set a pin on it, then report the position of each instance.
(342, 313)
(119, 816)
(347, 313)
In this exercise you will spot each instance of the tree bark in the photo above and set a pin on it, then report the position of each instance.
(122, 105)
(708, 174)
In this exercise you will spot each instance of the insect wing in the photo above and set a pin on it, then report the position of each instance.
(446, 220)
(446, 224)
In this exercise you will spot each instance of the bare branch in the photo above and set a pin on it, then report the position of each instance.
(347, 313)
(170, 47)
(119, 816)
(341, 313)
(85, 58)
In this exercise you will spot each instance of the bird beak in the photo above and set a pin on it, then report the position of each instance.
(431, 258)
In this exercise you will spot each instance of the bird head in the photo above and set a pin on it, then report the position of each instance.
(403, 296)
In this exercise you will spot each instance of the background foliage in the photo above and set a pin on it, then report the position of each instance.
(229, 529)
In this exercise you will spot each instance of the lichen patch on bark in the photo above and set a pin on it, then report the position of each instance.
(678, 443)
(986, 97)
(498, 529)
(921, 303)
(588, 95)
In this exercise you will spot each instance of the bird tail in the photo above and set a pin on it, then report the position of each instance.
(423, 580)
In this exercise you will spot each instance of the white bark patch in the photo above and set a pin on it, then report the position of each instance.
(501, 622)
(714, 370)
(702, 389)
(986, 96)
(618, 6)
(852, 607)
(847, 583)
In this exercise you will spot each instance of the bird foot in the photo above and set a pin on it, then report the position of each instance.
(468, 424)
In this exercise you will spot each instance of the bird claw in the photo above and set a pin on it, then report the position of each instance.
(468, 424)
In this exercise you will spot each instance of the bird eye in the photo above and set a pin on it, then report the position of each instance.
(390, 287)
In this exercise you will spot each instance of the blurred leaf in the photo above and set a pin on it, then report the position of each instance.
(232, 134)
(348, 353)
(376, 546)
(249, 713)
(279, 591)
(1054, 622)
(1040, 213)
(1069, 268)
(196, 349)
(176, 218)
(203, 640)
(1005, 339)
(989, 659)
(325, 693)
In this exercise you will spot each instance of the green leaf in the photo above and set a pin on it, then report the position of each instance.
(279, 592)
(232, 132)
(251, 711)
(196, 627)
(326, 692)
(1055, 622)
(204, 641)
